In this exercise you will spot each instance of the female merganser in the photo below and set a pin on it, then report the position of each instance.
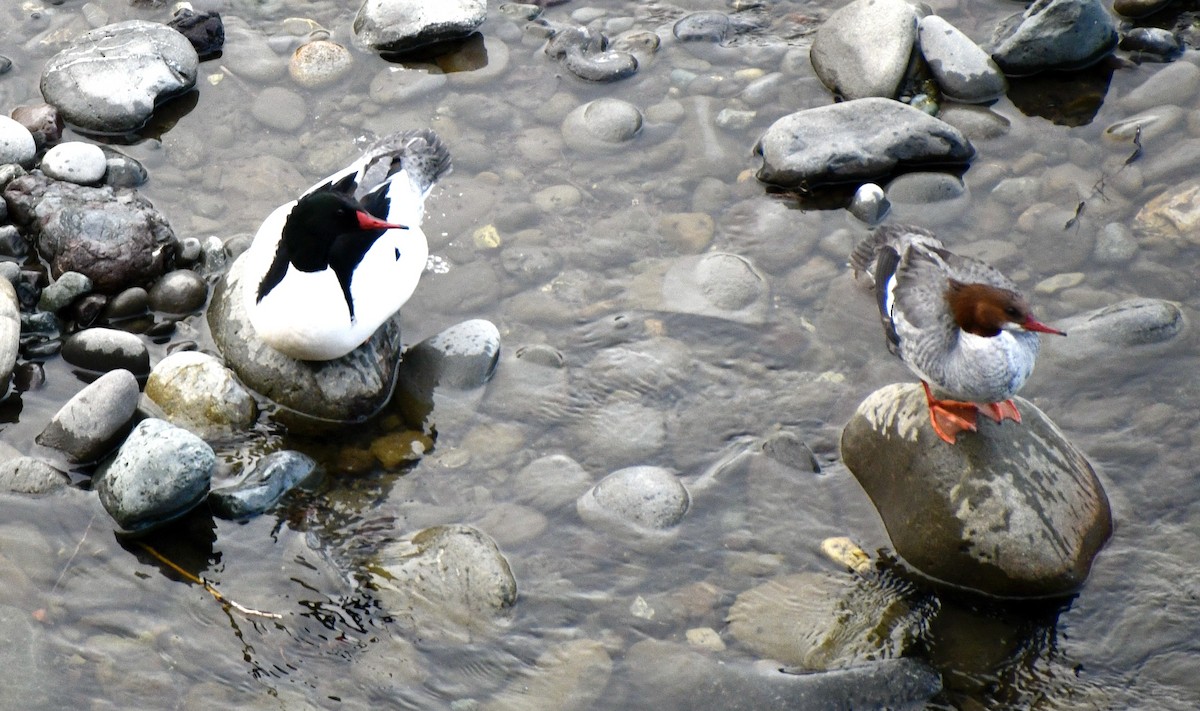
(326, 270)
(955, 321)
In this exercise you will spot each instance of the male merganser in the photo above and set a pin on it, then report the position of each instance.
(326, 270)
(957, 323)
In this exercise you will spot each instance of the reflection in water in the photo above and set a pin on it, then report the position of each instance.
(1064, 98)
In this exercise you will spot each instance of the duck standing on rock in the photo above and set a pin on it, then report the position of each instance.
(957, 323)
(327, 269)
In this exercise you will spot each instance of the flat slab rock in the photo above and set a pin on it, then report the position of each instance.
(1012, 511)
(864, 140)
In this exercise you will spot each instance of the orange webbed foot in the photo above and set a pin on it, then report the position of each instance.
(949, 417)
(1001, 411)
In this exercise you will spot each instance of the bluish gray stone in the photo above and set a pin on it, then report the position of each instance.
(855, 141)
(75, 162)
(90, 424)
(962, 69)
(400, 25)
(261, 484)
(65, 289)
(109, 80)
(1054, 34)
(1026, 523)
(160, 473)
(16, 142)
(105, 349)
(863, 48)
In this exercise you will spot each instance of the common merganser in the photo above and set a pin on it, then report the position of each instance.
(326, 270)
(957, 323)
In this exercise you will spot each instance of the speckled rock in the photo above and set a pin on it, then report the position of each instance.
(159, 473)
(42, 120)
(261, 485)
(444, 582)
(109, 80)
(196, 392)
(30, 475)
(1054, 34)
(75, 162)
(90, 424)
(1013, 510)
(319, 63)
(16, 142)
(639, 498)
(401, 25)
(348, 389)
(462, 357)
(65, 289)
(855, 141)
(715, 284)
(863, 48)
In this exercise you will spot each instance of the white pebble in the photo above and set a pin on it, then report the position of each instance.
(76, 162)
(16, 142)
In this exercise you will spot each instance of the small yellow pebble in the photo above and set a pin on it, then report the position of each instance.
(487, 237)
(845, 551)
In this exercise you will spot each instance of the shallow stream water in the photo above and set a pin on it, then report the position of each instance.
(576, 235)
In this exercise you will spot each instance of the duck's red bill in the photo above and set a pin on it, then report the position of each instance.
(1032, 324)
(367, 221)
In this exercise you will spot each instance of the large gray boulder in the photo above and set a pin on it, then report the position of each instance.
(113, 236)
(348, 389)
(110, 79)
(863, 140)
(863, 48)
(1012, 511)
(401, 25)
(1054, 34)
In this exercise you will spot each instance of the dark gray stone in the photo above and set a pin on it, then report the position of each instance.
(160, 473)
(123, 171)
(179, 292)
(104, 349)
(261, 485)
(856, 141)
(1054, 34)
(109, 80)
(348, 389)
(204, 30)
(65, 289)
(863, 48)
(95, 420)
(1011, 511)
(113, 236)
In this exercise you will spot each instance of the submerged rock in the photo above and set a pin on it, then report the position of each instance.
(856, 141)
(1013, 510)
(110, 79)
(348, 389)
(261, 485)
(642, 498)
(30, 475)
(160, 473)
(569, 675)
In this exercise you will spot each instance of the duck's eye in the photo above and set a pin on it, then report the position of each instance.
(1013, 311)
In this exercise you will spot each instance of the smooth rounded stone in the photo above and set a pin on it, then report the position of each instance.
(690, 232)
(16, 142)
(194, 390)
(863, 48)
(130, 303)
(734, 120)
(709, 26)
(462, 357)
(1126, 328)
(569, 675)
(1059, 282)
(122, 171)
(279, 108)
(349, 389)
(669, 675)
(636, 499)
(26, 657)
(105, 349)
(1173, 85)
(869, 204)
(1139, 8)
(550, 482)
(114, 236)
(400, 85)
(319, 63)
(715, 284)
(75, 162)
(10, 332)
(204, 30)
(1012, 511)
(1151, 43)
(109, 80)
(619, 433)
(30, 475)
(1020, 191)
(65, 289)
(444, 583)
(606, 66)
(247, 54)
(962, 69)
(158, 474)
(929, 198)
(599, 126)
(818, 621)
(180, 291)
(531, 266)
(402, 25)
(1114, 245)
(1174, 215)
(1054, 35)
(90, 424)
(557, 198)
(42, 120)
(261, 485)
(855, 141)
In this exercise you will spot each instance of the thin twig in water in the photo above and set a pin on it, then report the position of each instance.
(208, 586)
(73, 554)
